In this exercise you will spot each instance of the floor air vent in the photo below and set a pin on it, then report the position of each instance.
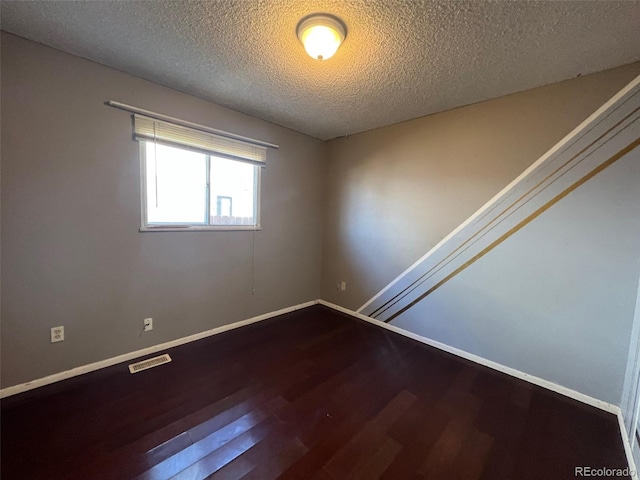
(149, 363)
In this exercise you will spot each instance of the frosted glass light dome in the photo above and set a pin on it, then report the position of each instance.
(321, 35)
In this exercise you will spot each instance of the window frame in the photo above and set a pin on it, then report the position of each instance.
(195, 227)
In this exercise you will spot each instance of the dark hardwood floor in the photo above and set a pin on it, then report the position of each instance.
(313, 394)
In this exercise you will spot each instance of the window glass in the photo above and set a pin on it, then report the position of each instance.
(176, 185)
(232, 192)
(183, 188)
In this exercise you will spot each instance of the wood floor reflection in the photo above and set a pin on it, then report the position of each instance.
(313, 394)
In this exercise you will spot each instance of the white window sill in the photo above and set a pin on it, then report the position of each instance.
(198, 228)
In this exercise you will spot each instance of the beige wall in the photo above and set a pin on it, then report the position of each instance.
(395, 192)
(556, 300)
(72, 254)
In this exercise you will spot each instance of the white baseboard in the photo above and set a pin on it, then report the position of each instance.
(13, 390)
(627, 446)
(581, 397)
(57, 377)
(74, 372)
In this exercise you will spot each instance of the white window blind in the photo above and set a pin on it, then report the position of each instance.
(150, 129)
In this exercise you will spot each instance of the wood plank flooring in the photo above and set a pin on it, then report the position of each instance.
(313, 394)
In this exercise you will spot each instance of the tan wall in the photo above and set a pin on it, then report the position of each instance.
(72, 254)
(395, 192)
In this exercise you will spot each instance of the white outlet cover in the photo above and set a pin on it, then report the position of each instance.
(148, 324)
(57, 334)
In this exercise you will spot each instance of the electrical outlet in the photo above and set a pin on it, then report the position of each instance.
(343, 286)
(57, 334)
(148, 324)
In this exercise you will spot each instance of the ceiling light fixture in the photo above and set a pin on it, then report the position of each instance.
(321, 34)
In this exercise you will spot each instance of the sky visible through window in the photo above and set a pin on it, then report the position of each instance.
(177, 188)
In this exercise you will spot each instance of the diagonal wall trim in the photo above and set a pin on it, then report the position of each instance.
(605, 136)
(632, 146)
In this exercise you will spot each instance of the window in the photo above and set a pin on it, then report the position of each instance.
(195, 180)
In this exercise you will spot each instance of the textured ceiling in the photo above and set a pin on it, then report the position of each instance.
(401, 59)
